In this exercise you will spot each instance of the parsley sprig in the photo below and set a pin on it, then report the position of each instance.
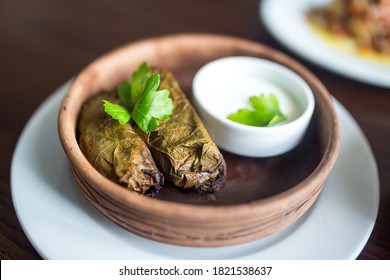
(142, 101)
(265, 111)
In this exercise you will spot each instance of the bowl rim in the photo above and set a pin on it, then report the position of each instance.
(123, 196)
(303, 117)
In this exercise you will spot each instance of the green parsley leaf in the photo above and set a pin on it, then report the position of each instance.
(117, 112)
(265, 111)
(276, 119)
(142, 100)
(152, 105)
(128, 92)
(138, 80)
(247, 117)
(267, 104)
(124, 93)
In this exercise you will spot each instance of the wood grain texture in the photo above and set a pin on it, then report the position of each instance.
(46, 42)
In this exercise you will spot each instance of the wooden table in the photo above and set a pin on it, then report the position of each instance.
(43, 43)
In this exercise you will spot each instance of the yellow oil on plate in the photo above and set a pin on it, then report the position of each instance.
(347, 44)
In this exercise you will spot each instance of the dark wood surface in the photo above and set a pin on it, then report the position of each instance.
(43, 43)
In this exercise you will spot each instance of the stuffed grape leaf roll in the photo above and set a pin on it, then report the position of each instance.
(116, 150)
(182, 148)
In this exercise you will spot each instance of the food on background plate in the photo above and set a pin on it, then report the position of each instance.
(149, 122)
(367, 22)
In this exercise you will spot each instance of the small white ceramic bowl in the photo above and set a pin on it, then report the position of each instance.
(223, 86)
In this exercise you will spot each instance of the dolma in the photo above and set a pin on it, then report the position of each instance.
(116, 150)
(182, 148)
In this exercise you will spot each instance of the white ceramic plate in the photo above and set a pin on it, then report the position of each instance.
(61, 224)
(286, 21)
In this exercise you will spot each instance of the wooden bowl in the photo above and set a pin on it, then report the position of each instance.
(261, 196)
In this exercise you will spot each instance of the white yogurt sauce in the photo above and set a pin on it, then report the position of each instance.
(231, 95)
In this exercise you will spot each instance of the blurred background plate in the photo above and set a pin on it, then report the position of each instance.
(286, 22)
